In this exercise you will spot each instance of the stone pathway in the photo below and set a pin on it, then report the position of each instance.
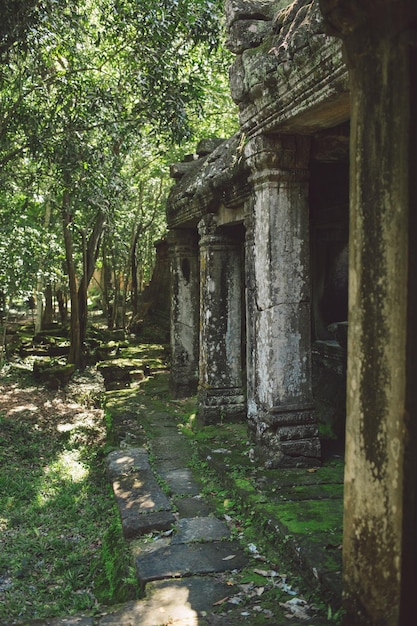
(195, 542)
(183, 553)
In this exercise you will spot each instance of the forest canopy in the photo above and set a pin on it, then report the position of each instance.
(97, 98)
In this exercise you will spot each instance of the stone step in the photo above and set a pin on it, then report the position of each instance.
(178, 601)
(201, 529)
(180, 482)
(189, 559)
(142, 504)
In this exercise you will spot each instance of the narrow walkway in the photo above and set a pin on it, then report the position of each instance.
(185, 558)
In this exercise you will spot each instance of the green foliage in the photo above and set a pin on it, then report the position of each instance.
(27, 249)
(56, 507)
(97, 98)
(116, 581)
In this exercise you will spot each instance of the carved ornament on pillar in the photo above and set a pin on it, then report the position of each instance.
(282, 158)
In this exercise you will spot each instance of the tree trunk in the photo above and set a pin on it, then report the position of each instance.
(106, 286)
(90, 255)
(75, 355)
(48, 312)
(62, 306)
(42, 312)
(134, 272)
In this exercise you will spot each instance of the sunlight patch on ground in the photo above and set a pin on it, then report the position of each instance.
(23, 407)
(170, 605)
(64, 428)
(65, 468)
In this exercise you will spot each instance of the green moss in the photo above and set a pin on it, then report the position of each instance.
(115, 581)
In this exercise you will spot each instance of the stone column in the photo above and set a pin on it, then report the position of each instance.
(380, 522)
(220, 394)
(250, 304)
(281, 414)
(183, 248)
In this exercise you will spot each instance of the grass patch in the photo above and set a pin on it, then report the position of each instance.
(61, 547)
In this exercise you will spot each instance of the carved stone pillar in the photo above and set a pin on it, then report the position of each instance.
(280, 407)
(251, 316)
(220, 394)
(380, 522)
(184, 311)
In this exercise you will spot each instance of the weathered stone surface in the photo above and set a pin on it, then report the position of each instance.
(135, 524)
(180, 482)
(207, 146)
(246, 34)
(200, 529)
(190, 559)
(185, 287)
(139, 492)
(191, 507)
(126, 461)
(295, 65)
(220, 365)
(178, 170)
(247, 9)
(219, 175)
(177, 601)
(170, 448)
(280, 404)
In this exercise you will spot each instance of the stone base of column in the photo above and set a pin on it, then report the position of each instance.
(217, 405)
(286, 436)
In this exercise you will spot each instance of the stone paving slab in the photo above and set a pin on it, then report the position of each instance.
(179, 560)
(135, 524)
(200, 529)
(167, 465)
(139, 492)
(122, 462)
(192, 507)
(179, 601)
(181, 482)
(174, 447)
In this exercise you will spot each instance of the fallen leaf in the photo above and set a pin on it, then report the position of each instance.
(228, 558)
(266, 573)
(261, 572)
(222, 601)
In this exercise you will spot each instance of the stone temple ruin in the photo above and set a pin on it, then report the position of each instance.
(266, 231)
